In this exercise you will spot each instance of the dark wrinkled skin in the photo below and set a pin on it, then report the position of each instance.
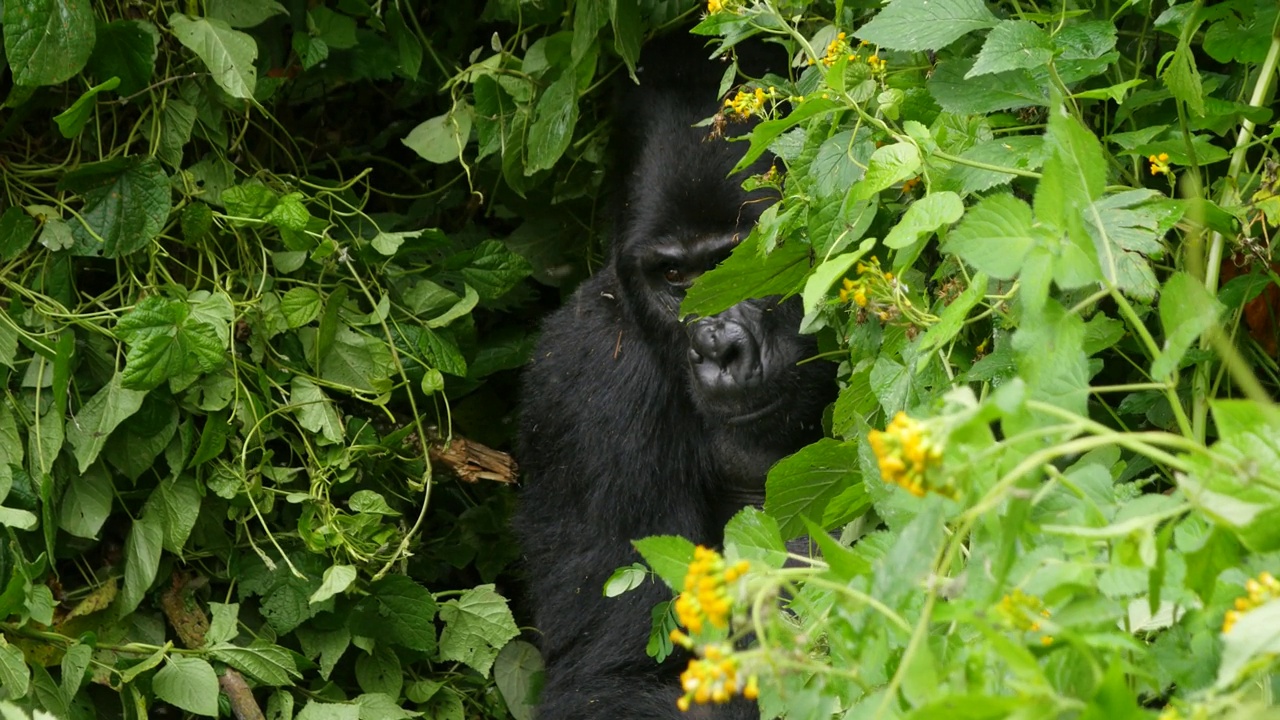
(636, 424)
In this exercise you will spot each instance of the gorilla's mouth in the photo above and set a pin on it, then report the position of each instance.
(753, 415)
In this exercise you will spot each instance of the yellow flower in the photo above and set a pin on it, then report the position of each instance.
(1259, 591)
(745, 104)
(714, 678)
(836, 48)
(907, 456)
(1159, 164)
(715, 6)
(705, 598)
(1018, 611)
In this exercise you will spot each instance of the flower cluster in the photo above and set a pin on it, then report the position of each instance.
(704, 598)
(1260, 590)
(1159, 164)
(716, 6)
(746, 104)
(908, 457)
(715, 677)
(1018, 610)
(840, 47)
(877, 292)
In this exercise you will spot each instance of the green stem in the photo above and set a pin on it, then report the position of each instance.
(1230, 196)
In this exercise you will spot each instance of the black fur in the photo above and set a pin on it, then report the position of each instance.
(623, 434)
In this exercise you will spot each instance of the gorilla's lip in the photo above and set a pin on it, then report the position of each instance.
(756, 414)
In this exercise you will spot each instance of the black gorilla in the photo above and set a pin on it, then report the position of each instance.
(635, 424)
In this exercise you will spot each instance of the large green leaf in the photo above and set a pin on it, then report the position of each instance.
(166, 342)
(925, 24)
(188, 683)
(476, 626)
(99, 416)
(747, 273)
(800, 486)
(126, 203)
(47, 41)
(229, 54)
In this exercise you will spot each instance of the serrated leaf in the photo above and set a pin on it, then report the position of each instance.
(229, 54)
(188, 683)
(668, 556)
(126, 204)
(1183, 79)
(47, 41)
(800, 486)
(165, 342)
(268, 664)
(754, 535)
(746, 273)
(490, 268)
(925, 24)
(300, 306)
(1187, 310)
(925, 215)
(889, 164)
(441, 139)
(1012, 45)
(476, 626)
(994, 236)
(399, 611)
(99, 416)
(984, 93)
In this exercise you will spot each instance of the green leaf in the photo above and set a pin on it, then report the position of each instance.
(47, 41)
(889, 164)
(300, 306)
(336, 580)
(1020, 152)
(747, 273)
(229, 54)
(399, 611)
(224, 625)
(336, 30)
(984, 93)
(87, 503)
(370, 501)
(625, 579)
(177, 503)
(1255, 636)
(1183, 80)
(442, 138)
(188, 683)
(329, 711)
(126, 49)
(99, 416)
(668, 556)
(476, 626)
(165, 342)
(763, 134)
(1012, 45)
(126, 203)
(925, 216)
(15, 676)
(490, 268)
(801, 485)
(1233, 488)
(289, 213)
(554, 118)
(267, 663)
(817, 287)
(1185, 311)
(16, 230)
(925, 24)
(244, 13)
(388, 243)
(141, 561)
(518, 673)
(74, 664)
(753, 535)
(314, 410)
(72, 120)
(994, 236)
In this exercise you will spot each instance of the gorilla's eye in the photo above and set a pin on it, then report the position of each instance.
(673, 275)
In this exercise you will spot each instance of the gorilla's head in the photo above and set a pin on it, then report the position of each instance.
(682, 214)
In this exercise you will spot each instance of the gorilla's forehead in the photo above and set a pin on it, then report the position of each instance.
(685, 248)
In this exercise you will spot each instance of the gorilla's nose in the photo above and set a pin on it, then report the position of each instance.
(725, 344)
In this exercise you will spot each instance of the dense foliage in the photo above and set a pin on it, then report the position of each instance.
(258, 258)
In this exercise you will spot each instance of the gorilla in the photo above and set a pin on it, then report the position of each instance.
(633, 423)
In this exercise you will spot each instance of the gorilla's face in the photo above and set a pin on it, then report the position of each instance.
(743, 364)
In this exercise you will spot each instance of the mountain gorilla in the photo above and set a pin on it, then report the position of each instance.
(636, 424)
